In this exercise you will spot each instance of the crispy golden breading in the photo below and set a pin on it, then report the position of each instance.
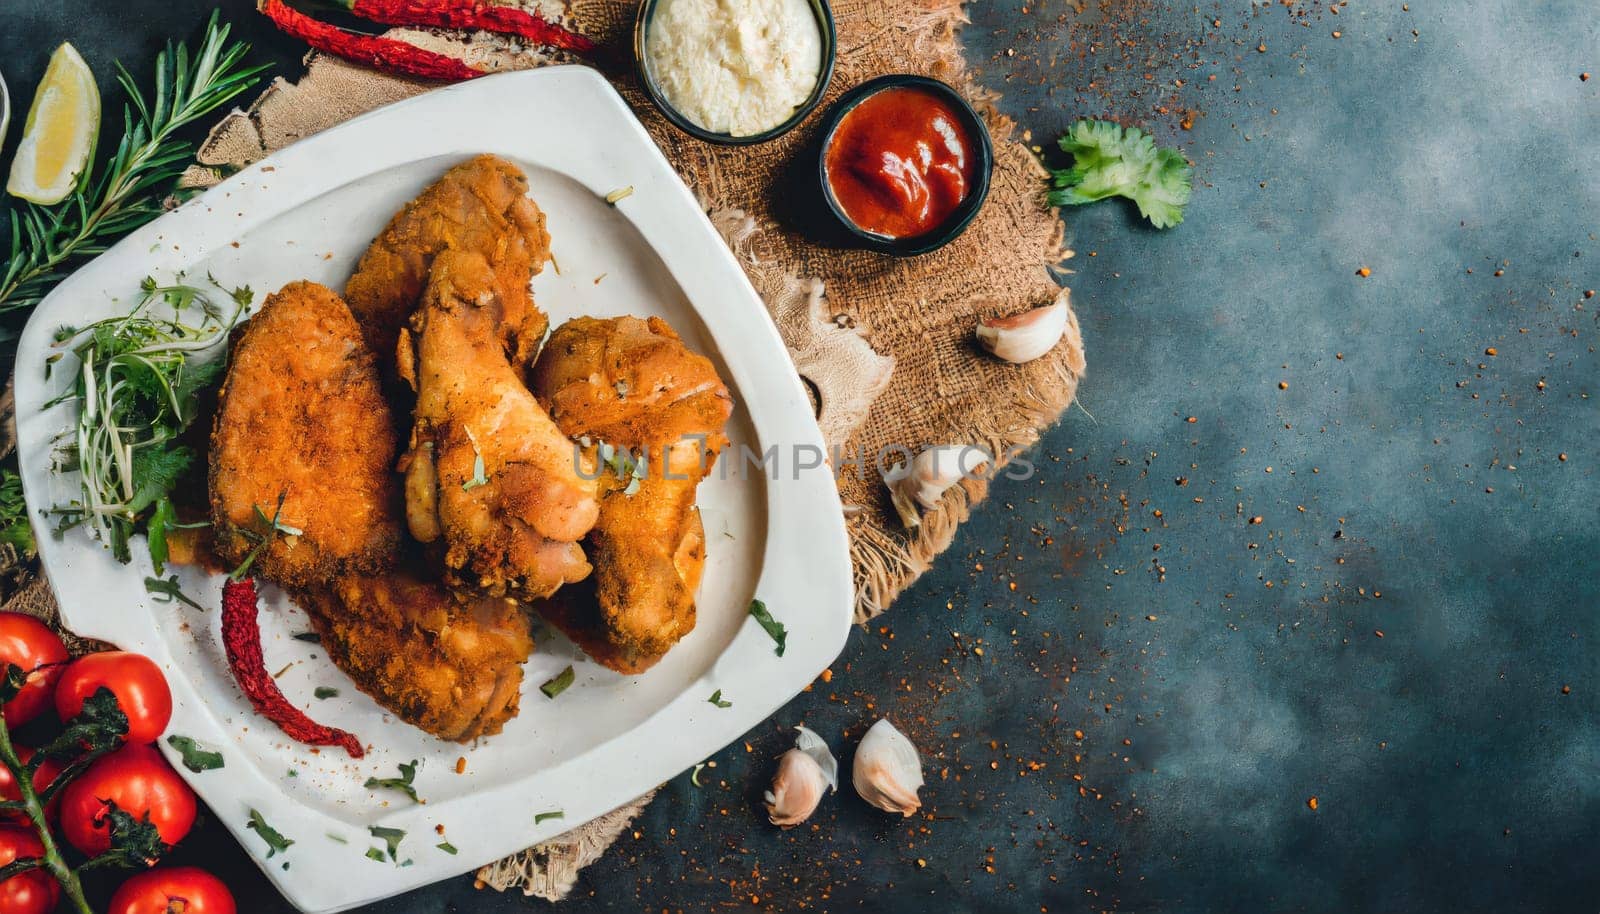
(481, 206)
(450, 667)
(488, 473)
(302, 415)
(633, 384)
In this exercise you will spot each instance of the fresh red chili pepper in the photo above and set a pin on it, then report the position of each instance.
(241, 638)
(383, 53)
(469, 14)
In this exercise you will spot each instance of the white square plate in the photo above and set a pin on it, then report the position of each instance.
(775, 532)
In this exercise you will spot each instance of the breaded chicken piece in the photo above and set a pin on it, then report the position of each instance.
(450, 667)
(480, 206)
(488, 474)
(633, 384)
(302, 416)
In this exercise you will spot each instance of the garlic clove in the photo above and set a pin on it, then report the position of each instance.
(887, 771)
(1026, 336)
(920, 485)
(805, 773)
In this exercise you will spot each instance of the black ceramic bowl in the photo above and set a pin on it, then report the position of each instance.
(641, 28)
(960, 217)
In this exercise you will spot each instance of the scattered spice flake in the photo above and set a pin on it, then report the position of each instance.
(1312, 804)
(559, 683)
(552, 814)
(1364, 272)
(461, 764)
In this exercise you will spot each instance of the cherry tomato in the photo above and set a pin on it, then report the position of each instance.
(138, 780)
(173, 890)
(33, 892)
(135, 679)
(28, 643)
(42, 779)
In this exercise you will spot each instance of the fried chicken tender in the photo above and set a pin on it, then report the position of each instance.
(488, 474)
(633, 384)
(450, 667)
(480, 205)
(302, 417)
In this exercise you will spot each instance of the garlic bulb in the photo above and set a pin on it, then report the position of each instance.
(804, 774)
(921, 483)
(887, 770)
(1026, 336)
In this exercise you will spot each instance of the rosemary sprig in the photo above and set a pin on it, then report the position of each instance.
(47, 241)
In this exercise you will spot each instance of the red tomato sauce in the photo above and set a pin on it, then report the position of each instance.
(900, 162)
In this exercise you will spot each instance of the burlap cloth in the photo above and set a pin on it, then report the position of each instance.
(886, 344)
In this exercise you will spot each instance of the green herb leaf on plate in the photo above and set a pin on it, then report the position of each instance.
(276, 842)
(553, 814)
(779, 634)
(559, 683)
(325, 692)
(716, 699)
(312, 637)
(403, 783)
(195, 758)
(447, 847)
(391, 837)
(168, 591)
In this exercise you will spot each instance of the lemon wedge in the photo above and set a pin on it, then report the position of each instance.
(58, 137)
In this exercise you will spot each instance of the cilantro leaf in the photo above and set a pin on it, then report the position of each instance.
(195, 758)
(325, 692)
(391, 837)
(716, 699)
(403, 783)
(1109, 160)
(552, 814)
(447, 847)
(780, 635)
(14, 527)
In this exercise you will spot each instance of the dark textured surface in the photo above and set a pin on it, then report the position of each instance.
(1221, 680)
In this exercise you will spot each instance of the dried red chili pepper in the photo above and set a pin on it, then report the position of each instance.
(383, 53)
(241, 638)
(469, 14)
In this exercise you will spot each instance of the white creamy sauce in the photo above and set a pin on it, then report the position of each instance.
(738, 67)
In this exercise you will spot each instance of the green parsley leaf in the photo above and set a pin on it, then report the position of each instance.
(779, 634)
(1109, 160)
(325, 692)
(391, 837)
(162, 517)
(14, 526)
(276, 842)
(553, 814)
(403, 783)
(447, 847)
(168, 591)
(195, 758)
(559, 683)
(716, 699)
(376, 853)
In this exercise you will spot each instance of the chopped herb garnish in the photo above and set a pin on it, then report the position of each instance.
(195, 758)
(403, 783)
(168, 591)
(774, 628)
(447, 847)
(716, 699)
(620, 194)
(559, 683)
(376, 853)
(695, 777)
(339, 838)
(325, 692)
(553, 814)
(390, 837)
(312, 637)
(1110, 160)
(276, 842)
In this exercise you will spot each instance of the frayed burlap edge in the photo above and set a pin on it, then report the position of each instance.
(551, 869)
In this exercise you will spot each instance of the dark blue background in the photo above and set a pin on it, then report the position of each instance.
(1221, 673)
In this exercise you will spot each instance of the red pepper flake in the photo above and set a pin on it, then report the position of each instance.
(1311, 803)
(241, 638)
(382, 53)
